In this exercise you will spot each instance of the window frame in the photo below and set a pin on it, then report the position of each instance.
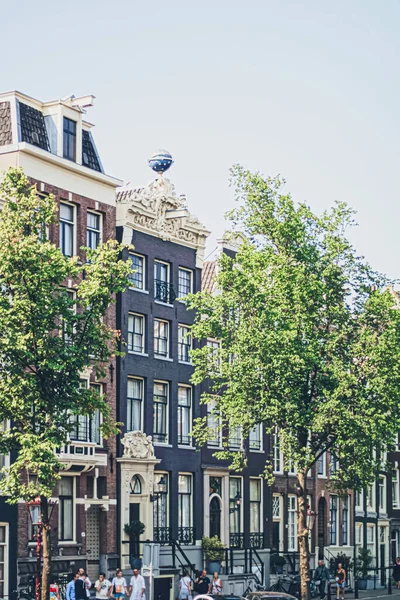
(186, 270)
(132, 333)
(157, 497)
(92, 230)
(62, 497)
(72, 223)
(167, 339)
(259, 504)
(259, 427)
(333, 519)
(167, 405)
(321, 461)
(182, 345)
(129, 409)
(216, 443)
(133, 287)
(6, 558)
(277, 454)
(67, 140)
(189, 410)
(292, 523)
(346, 503)
(189, 494)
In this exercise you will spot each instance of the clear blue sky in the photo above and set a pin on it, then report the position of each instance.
(306, 88)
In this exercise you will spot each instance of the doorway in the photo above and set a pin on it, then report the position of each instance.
(162, 588)
(93, 541)
(215, 517)
(134, 545)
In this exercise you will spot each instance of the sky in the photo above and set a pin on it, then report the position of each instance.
(308, 89)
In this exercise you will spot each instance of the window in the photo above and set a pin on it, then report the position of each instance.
(359, 535)
(382, 494)
(4, 458)
(277, 457)
(136, 330)
(66, 331)
(160, 418)
(276, 507)
(160, 508)
(136, 485)
(69, 141)
(291, 467)
(360, 500)
(67, 228)
(321, 467)
(184, 282)
(93, 230)
(371, 539)
(87, 428)
(345, 520)
(333, 508)
(371, 496)
(395, 488)
(213, 425)
(185, 534)
(235, 500)
(184, 343)
(162, 289)
(255, 437)
(95, 419)
(334, 464)
(292, 529)
(184, 414)
(3, 560)
(66, 508)
(161, 338)
(135, 403)
(34, 520)
(214, 358)
(136, 277)
(235, 438)
(255, 505)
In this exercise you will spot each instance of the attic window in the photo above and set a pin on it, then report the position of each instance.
(85, 158)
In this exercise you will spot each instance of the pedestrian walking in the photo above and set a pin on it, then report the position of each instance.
(216, 584)
(119, 587)
(70, 591)
(321, 578)
(102, 587)
(137, 586)
(86, 580)
(80, 587)
(340, 581)
(185, 587)
(54, 590)
(396, 572)
(202, 583)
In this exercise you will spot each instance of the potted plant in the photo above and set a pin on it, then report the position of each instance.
(363, 564)
(214, 551)
(277, 562)
(134, 529)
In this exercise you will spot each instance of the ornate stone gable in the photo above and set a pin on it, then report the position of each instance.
(157, 210)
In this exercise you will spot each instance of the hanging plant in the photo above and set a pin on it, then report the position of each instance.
(134, 528)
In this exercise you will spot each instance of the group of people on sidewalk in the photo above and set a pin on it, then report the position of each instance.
(322, 577)
(188, 588)
(79, 587)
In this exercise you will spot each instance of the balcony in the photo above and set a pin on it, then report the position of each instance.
(236, 540)
(162, 535)
(256, 540)
(186, 536)
(163, 292)
(81, 454)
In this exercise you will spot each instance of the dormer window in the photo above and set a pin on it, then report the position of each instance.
(69, 139)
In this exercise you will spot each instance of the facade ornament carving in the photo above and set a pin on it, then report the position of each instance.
(137, 445)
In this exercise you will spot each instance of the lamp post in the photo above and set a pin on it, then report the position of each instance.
(37, 531)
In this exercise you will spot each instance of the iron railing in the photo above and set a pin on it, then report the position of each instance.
(164, 292)
(256, 540)
(236, 540)
(186, 536)
(162, 535)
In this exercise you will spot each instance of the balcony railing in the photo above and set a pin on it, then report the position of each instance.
(164, 292)
(256, 540)
(236, 540)
(186, 536)
(162, 535)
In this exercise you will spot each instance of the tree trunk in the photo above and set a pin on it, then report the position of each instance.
(302, 534)
(44, 510)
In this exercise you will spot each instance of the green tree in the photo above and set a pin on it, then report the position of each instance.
(47, 340)
(310, 340)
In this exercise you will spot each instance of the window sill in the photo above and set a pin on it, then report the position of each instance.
(184, 447)
(163, 303)
(185, 362)
(322, 476)
(163, 358)
(135, 289)
(138, 353)
(162, 444)
(277, 472)
(67, 543)
(214, 447)
(257, 452)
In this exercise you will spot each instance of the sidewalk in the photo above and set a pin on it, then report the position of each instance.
(372, 594)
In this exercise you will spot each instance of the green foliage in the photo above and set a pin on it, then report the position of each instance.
(310, 337)
(134, 528)
(363, 563)
(213, 548)
(48, 339)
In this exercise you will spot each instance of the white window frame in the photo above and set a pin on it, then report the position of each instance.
(395, 489)
(371, 498)
(157, 261)
(382, 494)
(359, 534)
(259, 427)
(348, 507)
(235, 433)
(168, 338)
(190, 476)
(260, 504)
(132, 286)
(322, 458)
(278, 518)
(190, 271)
(187, 336)
(190, 411)
(159, 474)
(334, 524)
(371, 539)
(100, 231)
(141, 379)
(292, 523)
(277, 453)
(74, 226)
(241, 507)
(291, 468)
(67, 542)
(6, 546)
(4, 426)
(143, 319)
(167, 434)
(359, 500)
(210, 408)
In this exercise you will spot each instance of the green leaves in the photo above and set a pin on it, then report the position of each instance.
(309, 336)
(49, 336)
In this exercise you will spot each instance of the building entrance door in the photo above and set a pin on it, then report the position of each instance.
(215, 517)
(162, 588)
(93, 542)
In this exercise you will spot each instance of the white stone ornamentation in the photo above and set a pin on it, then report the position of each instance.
(138, 445)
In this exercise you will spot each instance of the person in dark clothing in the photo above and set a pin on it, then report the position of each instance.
(321, 578)
(396, 572)
(80, 589)
(202, 583)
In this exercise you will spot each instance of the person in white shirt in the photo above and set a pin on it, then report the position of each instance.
(102, 587)
(137, 587)
(185, 587)
(119, 587)
(85, 578)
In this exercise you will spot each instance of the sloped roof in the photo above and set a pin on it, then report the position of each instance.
(208, 276)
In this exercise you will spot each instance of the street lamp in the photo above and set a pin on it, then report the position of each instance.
(36, 522)
(238, 501)
(159, 488)
(311, 515)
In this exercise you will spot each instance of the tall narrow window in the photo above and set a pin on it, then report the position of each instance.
(69, 141)
(321, 466)
(3, 560)
(66, 330)
(395, 488)
(136, 277)
(93, 230)
(161, 338)
(184, 414)
(4, 458)
(67, 228)
(95, 419)
(184, 343)
(136, 333)
(255, 437)
(66, 508)
(214, 355)
(163, 291)
(160, 419)
(382, 494)
(345, 520)
(213, 425)
(235, 504)
(371, 496)
(277, 457)
(333, 507)
(135, 404)
(160, 509)
(292, 528)
(235, 438)
(184, 282)
(185, 531)
(255, 509)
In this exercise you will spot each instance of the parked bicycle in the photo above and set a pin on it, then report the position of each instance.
(290, 584)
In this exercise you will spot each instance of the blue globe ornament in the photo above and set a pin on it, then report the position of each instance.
(160, 161)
